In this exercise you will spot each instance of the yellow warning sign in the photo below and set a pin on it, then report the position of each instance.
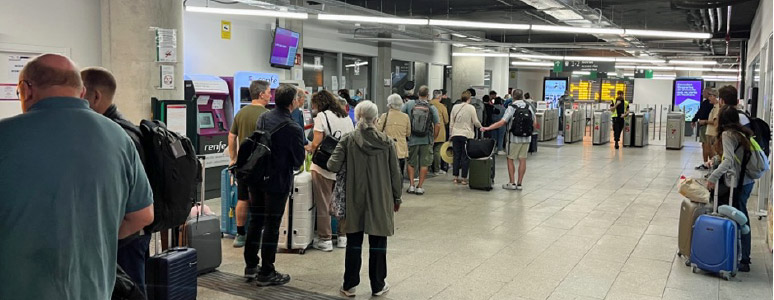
(225, 30)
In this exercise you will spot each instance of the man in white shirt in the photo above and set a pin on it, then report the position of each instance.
(519, 145)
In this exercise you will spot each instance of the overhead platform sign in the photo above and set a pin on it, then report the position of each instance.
(583, 65)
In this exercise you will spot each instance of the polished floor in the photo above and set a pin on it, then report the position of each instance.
(591, 223)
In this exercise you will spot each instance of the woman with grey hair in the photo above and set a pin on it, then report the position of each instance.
(373, 195)
(397, 126)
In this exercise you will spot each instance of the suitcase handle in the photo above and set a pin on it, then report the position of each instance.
(730, 193)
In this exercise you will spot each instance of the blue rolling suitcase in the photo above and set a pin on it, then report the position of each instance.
(228, 202)
(715, 245)
(172, 274)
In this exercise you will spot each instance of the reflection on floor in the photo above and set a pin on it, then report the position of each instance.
(591, 223)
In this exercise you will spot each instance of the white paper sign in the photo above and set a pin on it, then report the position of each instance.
(15, 65)
(298, 74)
(334, 83)
(167, 77)
(344, 82)
(217, 104)
(166, 44)
(317, 61)
(203, 100)
(176, 118)
(8, 92)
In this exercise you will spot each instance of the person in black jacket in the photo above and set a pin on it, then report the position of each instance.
(100, 88)
(267, 204)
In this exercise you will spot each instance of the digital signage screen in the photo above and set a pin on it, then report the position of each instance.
(686, 94)
(553, 89)
(284, 48)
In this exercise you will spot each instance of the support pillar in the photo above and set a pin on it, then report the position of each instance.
(382, 74)
(129, 51)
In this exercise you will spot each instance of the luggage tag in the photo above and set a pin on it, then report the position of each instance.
(177, 148)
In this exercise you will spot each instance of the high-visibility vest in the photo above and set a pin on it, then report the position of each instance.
(626, 107)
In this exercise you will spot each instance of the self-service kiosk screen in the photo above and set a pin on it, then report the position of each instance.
(244, 94)
(206, 120)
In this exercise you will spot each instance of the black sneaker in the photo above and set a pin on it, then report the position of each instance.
(744, 267)
(250, 273)
(616, 145)
(275, 278)
(702, 167)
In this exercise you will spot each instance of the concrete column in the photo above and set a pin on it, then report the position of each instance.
(340, 69)
(466, 72)
(298, 26)
(382, 73)
(129, 51)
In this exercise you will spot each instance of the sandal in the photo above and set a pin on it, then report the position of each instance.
(464, 182)
(455, 181)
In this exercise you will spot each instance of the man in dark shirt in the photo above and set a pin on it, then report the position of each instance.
(619, 108)
(701, 118)
(267, 204)
(100, 88)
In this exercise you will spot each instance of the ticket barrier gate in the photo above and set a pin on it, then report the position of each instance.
(675, 128)
(601, 123)
(574, 127)
(635, 131)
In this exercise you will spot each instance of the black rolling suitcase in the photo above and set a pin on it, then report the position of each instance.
(533, 144)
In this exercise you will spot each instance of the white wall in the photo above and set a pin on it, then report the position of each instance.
(652, 91)
(248, 49)
(530, 81)
(74, 25)
(435, 77)
(320, 37)
(761, 29)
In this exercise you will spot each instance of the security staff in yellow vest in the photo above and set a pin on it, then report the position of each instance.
(620, 108)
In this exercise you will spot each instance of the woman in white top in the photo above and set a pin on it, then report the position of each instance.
(463, 121)
(331, 120)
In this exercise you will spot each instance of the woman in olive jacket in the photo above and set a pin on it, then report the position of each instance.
(373, 194)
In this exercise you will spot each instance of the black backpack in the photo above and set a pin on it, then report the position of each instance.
(421, 119)
(522, 124)
(761, 132)
(254, 163)
(173, 171)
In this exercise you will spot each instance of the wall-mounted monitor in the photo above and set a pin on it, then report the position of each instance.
(554, 88)
(686, 94)
(284, 47)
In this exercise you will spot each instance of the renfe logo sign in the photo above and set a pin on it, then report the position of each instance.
(219, 147)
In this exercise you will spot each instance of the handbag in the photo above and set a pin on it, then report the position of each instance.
(693, 189)
(325, 150)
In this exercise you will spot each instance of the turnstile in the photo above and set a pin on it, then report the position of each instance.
(548, 124)
(601, 127)
(675, 128)
(635, 132)
(574, 125)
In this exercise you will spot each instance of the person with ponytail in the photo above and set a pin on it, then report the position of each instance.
(735, 139)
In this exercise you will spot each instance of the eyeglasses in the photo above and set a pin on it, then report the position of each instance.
(27, 82)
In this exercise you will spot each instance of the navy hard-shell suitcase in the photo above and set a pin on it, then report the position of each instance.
(715, 243)
(171, 275)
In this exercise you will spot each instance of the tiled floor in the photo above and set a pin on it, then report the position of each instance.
(591, 223)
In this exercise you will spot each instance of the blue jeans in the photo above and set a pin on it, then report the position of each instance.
(499, 135)
(740, 203)
(132, 254)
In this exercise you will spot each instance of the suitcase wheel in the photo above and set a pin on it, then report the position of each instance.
(694, 269)
(302, 251)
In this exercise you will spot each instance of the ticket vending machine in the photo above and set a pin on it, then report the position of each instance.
(239, 85)
(210, 97)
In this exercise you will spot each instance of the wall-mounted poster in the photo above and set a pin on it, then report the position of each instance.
(686, 94)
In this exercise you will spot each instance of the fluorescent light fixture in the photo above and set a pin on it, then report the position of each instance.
(469, 24)
(357, 64)
(656, 68)
(475, 48)
(590, 58)
(581, 73)
(721, 78)
(371, 19)
(673, 34)
(475, 39)
(692, 62)
(533, 56)
(532, 64)
(247, 12)
(571, 29)
(459, 45)
(462, 36)
(628, 74)
(639, 60)
(725, 70)
(664, 77)
(624, 67)
(469, 54)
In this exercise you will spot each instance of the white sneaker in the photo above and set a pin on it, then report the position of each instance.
(411, 190)
(420, 191)
(439, 173)
(501, 152)
(349, 293)
(322, 245)
(384, 290)
(510, 186)
(341, 242)
(518, 187)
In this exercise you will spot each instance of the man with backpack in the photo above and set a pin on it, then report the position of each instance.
(425, 126)
(269, 193)
(521, 117)
(72, 185)
(100, 88)
(241, 128)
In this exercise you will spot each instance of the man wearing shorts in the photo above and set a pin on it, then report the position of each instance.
(701, 118)
(242, 127)
(421, 147)
(518, 146)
